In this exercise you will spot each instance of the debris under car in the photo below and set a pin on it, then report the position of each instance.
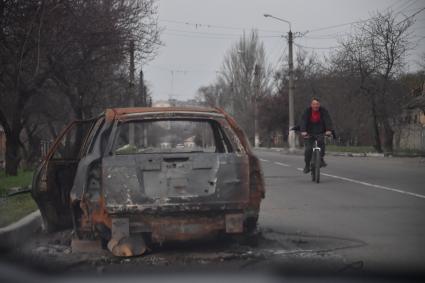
(132, 177)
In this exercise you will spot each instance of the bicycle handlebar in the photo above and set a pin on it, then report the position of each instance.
(298, 129)
(316, 136)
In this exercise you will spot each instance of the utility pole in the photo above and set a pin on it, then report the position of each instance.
(291, 133)
(217, 98)
(232, 99)
(143, 96)
(256, 94)
(173, 73)
(142, 90)
(131, 93)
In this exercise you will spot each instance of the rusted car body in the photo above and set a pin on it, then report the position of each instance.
(134, 176)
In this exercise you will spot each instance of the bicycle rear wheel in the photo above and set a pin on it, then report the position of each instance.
(317, 162)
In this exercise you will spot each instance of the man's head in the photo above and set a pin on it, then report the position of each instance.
(315, 104)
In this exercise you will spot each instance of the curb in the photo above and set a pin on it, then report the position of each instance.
(331, 153)
(352, 154)
(15, 233)
(280, 149)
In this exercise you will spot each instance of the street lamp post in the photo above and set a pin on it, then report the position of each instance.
(291, 133)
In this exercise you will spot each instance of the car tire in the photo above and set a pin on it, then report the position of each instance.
(251, 224)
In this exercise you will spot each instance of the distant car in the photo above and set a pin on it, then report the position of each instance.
(126, 178)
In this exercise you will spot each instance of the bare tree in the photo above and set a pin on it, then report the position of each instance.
(100, 36)
(374, 54)
(77, 47)
(21, 68)
(243, 80)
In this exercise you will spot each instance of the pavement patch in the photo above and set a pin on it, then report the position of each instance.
(282, 164)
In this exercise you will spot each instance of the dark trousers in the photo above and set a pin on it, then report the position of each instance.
(308, 148)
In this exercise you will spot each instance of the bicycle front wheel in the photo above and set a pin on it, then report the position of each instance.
(317, 164)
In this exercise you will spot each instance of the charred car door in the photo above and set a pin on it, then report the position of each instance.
(54, 177)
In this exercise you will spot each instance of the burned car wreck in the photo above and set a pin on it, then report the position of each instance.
(134, 176)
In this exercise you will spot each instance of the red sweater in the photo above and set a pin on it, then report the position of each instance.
(315, 117)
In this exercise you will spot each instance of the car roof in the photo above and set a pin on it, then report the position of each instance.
(124, 113)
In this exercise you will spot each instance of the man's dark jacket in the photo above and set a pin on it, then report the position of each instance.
(324, 125)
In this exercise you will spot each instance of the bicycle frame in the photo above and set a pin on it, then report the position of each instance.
(315, 158)
(315, 146)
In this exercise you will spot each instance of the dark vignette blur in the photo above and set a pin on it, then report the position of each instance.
(64, 60)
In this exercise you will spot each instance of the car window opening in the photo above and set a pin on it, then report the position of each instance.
(170, 136)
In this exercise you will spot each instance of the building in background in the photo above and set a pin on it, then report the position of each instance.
(175, 103)
(161, 103)
(409, 128)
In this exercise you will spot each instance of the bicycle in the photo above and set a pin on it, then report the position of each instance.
(315, 158)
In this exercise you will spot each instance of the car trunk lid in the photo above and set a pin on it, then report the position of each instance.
(155, 180)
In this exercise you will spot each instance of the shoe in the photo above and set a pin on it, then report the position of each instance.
(323, 163)
(306, 169)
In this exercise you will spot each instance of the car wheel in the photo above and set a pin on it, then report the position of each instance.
(251, 224)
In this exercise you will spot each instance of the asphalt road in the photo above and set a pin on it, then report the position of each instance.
(367, 216)
(377, 203)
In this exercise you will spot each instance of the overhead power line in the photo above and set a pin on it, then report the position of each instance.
(204, 25)
(414, 14)
(396, 3)
(327, 37)
(312, 47)
(405, 6)
(230, 35)
(358, 22)
(203, 33)
(336, 26)
(184, 71)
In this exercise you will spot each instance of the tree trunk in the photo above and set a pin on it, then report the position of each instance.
(388, 136)
(31, 148)
(388, 131)
(12, 154)
(377, 145)
(13, 142)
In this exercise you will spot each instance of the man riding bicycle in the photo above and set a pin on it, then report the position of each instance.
(315, 122)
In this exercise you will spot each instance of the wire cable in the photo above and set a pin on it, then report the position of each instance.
(312, 47)
(203, 25)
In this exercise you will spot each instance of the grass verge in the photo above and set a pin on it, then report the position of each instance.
(15, 207)
(353, 149)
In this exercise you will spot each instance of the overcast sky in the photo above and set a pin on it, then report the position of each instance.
(197, 34)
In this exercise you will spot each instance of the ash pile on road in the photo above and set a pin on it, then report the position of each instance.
(262, 250)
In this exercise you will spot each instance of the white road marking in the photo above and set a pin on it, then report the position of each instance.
(374, 186)
(357, 182)
(282, 164)
(371, 185)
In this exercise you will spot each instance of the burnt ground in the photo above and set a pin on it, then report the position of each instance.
(266, 250)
